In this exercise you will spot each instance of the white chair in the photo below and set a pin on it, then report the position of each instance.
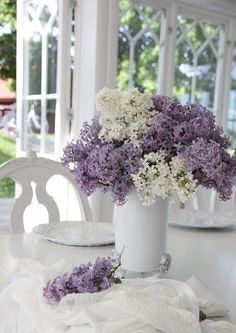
(202, 201)
(226, 207)
(38, 170)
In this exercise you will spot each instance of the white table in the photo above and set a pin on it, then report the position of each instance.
(210, 255)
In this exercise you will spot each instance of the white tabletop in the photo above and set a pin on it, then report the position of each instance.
(210, 255)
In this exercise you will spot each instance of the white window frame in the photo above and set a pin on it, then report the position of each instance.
(213, 11)
(62, 96)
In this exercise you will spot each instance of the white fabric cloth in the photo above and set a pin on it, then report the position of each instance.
(207, 301)
(136, 306)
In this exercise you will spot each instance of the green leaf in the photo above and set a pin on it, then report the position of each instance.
(117, 280)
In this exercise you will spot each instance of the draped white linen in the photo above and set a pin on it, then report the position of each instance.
(137, 305)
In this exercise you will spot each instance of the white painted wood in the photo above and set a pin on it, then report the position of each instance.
(95, 56)
(161, 81)
(19, 74)
(63, 77)
(215, 8)
(219, 206)
(226, 76)
(112, 43)
(95, 68)
(224, 8)
(31, 169)
(86, 63)
(44, 79)
(168, 55)
(218, 97)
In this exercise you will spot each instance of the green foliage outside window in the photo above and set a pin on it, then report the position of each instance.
(8, 41)
(146, 52)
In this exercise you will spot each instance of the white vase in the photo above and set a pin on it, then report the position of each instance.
(141, 232)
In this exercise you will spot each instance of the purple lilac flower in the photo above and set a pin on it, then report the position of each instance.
(74, 152)
(100, 165)
(211, 165)
(159, 136)
(190, 122)
(189, 131)
(86, 278)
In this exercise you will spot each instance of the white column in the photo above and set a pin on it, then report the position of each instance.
(220, 81)
(96, 54)
(44, 75)
(167, 54)
(226, 75)
(63, 78)
(19, 77)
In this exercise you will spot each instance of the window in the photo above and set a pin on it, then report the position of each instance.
(40, 45)
(180, 48)
(196, 56)
(139, 46)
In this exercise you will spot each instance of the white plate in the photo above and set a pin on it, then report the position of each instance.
(78, 233)
(201, 219)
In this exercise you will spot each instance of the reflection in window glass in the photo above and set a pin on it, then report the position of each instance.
(35, 55)
(138, 46)
(32, 125)
(51, 108)
(33, 139)
(196, 59)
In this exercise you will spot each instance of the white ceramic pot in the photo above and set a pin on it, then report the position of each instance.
(142, 232)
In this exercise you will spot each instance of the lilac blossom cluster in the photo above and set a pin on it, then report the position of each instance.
(106, 156)
(100, 165)
(86, 278)
(190, 131)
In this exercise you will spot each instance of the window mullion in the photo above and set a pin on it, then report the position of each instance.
(63, 77)
(167, 62)
(43, 92)
(219, 78)
(161, 64)
(226, 74)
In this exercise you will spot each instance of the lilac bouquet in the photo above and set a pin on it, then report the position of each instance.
(153, 144)
(86, 278)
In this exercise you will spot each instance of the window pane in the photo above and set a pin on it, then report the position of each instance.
(32, 125)
(35, 55)
(32, 139)
(138, 46)
(40, 32)
(49, 142)
(196, 59)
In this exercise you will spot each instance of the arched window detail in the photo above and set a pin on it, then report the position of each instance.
(196, 58)
(40, 44)
(139, 46)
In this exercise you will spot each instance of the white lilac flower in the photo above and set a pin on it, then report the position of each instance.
(107, 100)
(123, 116)
(157, 177)
(183, 182)
(153, 178)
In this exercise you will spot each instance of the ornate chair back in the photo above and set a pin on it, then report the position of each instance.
(25, 170)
